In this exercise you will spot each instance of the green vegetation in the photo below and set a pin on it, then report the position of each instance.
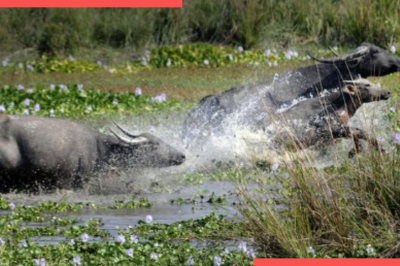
(74, 101)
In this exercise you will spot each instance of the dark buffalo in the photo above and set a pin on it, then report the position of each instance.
(321, 119)
(251, 105)
(55, 153)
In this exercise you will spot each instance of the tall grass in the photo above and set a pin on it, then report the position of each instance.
(334, 212)
(248, 23)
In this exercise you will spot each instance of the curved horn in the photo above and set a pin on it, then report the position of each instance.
(360, 51)
(136, 140)
(126, 132)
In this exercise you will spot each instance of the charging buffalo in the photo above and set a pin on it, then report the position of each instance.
(54, 153)
(321, 119)
(251, 105)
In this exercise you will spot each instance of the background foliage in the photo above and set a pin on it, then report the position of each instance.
(251, 23)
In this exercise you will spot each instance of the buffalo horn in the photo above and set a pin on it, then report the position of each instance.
(360, 51)
(136, 140)
(126, 132)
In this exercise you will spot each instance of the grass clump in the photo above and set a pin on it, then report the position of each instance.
(347, 211)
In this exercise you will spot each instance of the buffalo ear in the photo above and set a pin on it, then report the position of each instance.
(350, 89)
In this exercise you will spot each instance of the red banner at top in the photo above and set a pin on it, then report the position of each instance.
(91, 3)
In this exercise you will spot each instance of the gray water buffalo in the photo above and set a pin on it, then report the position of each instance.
(251, 105)
(321, 119)
(54, 153)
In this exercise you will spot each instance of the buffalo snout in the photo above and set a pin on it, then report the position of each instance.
(385, 95)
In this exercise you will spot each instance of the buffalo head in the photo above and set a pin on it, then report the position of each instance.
(144, 150)
(363, 91)
(366, 60)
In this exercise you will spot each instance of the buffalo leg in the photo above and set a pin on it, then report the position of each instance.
(356, 134)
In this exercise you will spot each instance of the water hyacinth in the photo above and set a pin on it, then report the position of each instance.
(30, 68)
(134, 239)
(250, 253)
(206, 62)
(217, 260)
(29, 90)
(242, 246)
(4, 63)
(160, 98)
(225, 252)
(149, 218)
(63, 87)
(153, 256)
(80, 87)
(392, 109)
(36, 108)
(76, 260)
(190, 261)
(392, 49)
(99, 63)
(12, 206)
(169, 62)
(289, 54)
(52, 86)
(2, 108)
(23, 244)
(20, 87)
(26, 102)
(39, 262)
(230, 57)
(240, 49)
(120, 239)
(26, 112)
(370, 250)
(71, 242)
(267, 52)
(129, 252)
(138, 91)
(85, 237)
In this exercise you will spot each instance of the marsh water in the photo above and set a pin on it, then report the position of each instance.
(175, 192)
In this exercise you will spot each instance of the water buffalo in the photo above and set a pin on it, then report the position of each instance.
(251, 105)
(56, 153)
(321, 119)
